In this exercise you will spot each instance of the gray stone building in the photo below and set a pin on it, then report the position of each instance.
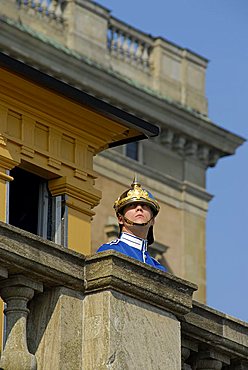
(76, 83)
(147, 77)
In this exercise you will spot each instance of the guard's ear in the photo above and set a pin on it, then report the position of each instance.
(120, 219)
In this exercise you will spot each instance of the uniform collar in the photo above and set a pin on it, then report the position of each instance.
(134, 241)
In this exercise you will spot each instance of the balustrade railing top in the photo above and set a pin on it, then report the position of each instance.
(127, 43)
(52, 9)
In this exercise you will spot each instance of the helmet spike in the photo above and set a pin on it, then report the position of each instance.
(135, 181)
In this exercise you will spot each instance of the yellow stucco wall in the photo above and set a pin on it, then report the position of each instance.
(56, 139)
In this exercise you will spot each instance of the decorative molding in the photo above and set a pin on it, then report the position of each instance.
(188, 147)
(83, 199)
(215, 330)
(5, 177)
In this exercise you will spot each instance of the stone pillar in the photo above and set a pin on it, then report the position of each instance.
(166, 61)
(87, 24)
(193, 81)
(131, 315)
(55, 329)
(16, 293)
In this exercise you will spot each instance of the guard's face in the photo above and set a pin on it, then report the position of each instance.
(137, 212)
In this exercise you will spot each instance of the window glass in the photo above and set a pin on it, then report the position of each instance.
(132, 151)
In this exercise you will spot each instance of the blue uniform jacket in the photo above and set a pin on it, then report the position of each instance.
(134, 247)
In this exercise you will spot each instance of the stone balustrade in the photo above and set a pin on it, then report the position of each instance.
(128, 44)
(89, 32)
(66, 311)
(50, 9)
(213, 340)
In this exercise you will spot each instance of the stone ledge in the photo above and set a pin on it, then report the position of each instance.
(43, 261)
(30, 255)
(113, 271)
(227, 334)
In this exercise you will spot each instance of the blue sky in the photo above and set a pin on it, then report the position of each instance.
(217, 30)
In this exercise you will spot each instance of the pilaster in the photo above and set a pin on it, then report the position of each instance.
(80, 199)
(87, 24)
(6, 164)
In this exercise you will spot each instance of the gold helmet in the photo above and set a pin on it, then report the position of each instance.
(136, 194)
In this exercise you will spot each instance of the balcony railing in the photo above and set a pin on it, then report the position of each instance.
(61, 306)
(129, 45)
(50, 9)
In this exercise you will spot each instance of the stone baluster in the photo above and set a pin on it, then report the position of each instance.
(187, 348)
(52, 8)
(43, 6)
(110, 38)
(132, 51)
(125, 47)
(58, 11)
(210, 360)
(185, 353)
(145, 57)
(114, 39)
(16, 292)
(139, 53)
(119, 44)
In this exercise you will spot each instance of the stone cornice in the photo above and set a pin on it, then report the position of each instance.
(204, 325)
(110, 270)
(189, 148)
(117, 90)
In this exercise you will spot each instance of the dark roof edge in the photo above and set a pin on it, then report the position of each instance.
(30, 73)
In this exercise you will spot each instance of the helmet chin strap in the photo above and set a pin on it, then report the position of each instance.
(129, 222)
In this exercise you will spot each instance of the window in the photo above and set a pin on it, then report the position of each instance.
(132, 150)
(34, 209)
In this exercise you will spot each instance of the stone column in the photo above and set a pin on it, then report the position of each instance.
(16, 292)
